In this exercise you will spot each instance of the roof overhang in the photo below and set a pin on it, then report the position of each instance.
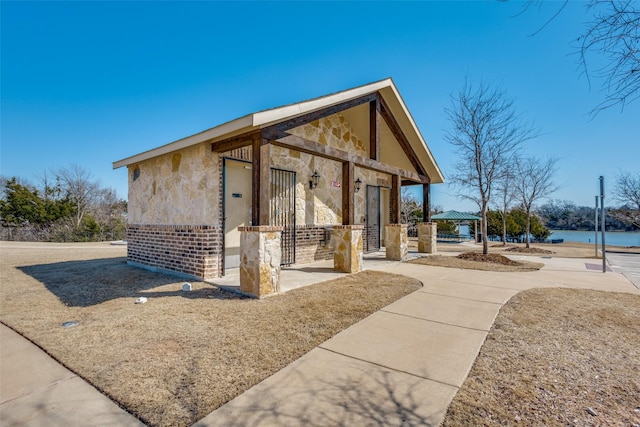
(255, 121)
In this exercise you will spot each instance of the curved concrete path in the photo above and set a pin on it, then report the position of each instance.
(403, 364)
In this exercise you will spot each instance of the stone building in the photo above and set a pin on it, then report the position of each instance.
(320, 179)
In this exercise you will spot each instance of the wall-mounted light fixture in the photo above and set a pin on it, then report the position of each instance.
(313, 182)
(357, 185)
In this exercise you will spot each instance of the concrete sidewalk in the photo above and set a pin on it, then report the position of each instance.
(403, 364)
(400, 366)
(35, 390)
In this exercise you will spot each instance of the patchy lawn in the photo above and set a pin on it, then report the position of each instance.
(181, 355)
(557, 357)
(478, 261)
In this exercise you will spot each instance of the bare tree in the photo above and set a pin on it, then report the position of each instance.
(486, 132)
(80, 187)
(614, 33)
(506, 196)
(533, 181)
(627, 189)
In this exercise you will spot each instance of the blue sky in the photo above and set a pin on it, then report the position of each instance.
(94, 82)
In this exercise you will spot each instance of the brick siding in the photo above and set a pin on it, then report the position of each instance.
(194, 250)
(312, 244)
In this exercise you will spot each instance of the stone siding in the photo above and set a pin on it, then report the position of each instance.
(322, 205)
(192, 250)
(181, 187)
(333, 131)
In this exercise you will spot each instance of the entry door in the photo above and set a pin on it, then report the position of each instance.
(283, 211)
(372, 223)
(237, 208)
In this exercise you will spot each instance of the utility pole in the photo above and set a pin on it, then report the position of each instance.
(596, 226)
(602, 227)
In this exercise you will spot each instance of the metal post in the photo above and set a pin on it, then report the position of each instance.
(602, 226)
(596, 226)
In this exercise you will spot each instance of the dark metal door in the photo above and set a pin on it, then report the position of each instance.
(283, 211)
(372, 226)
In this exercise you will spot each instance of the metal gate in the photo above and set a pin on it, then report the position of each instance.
(283, 211)
(372, 226)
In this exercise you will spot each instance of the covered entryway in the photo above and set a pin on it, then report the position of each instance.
(236, 208)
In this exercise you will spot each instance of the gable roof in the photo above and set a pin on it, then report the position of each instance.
(455, 216)
(251, 122)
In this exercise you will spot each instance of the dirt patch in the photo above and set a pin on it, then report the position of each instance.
(556, 357)
(491, 258)
(181, 355)
(478, 261)
(531, 250)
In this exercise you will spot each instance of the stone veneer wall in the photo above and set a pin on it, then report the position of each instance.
(182, 187)
(192, 250)
(334, 131)
(322, 205)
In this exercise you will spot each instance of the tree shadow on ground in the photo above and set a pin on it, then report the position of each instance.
(91, 282)
(343, 392)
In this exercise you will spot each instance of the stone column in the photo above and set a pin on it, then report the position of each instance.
(260, 254)
(427, 236)
(396, 241)
(347, 243)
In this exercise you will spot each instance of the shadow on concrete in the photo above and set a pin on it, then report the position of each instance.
(90, 282)
(362, 395)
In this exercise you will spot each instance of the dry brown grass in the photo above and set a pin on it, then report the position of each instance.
(178, 357)
(551, 354)
(477, 261)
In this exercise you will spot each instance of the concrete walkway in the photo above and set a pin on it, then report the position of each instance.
(35, 390)
(400, 366)
(403, 364)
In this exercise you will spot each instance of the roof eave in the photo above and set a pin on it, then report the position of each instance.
(237, 126)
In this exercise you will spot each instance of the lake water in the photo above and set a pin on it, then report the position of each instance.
(614, 238)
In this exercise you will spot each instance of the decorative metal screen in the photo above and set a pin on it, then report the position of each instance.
(283, 211)
(372, 226)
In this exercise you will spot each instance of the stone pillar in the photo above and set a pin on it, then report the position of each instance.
(260, 254)
(396, 241)
(427, 236)
(347, 243)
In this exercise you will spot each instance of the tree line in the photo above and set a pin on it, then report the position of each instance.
(67, 204)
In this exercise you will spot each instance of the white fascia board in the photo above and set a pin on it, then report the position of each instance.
(223, 130)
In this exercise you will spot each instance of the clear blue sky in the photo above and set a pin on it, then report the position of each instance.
(94, 82)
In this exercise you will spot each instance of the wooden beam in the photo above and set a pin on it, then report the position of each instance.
(235, 142)
(426, 202)
(396, 202)
(261, 182)
(400, 136)
(321, 150)
(324, 112)
(374, 130)
(348, 175)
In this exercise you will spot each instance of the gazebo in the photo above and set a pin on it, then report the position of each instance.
(459, 216)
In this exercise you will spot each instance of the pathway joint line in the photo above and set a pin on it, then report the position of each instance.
(435, 321)
(388, 367)
(479, 284)
(462, 298)
(39, 389)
